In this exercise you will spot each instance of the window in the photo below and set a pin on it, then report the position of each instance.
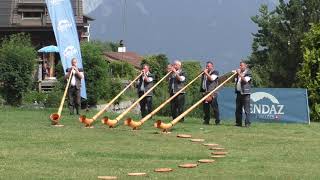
(31, 15)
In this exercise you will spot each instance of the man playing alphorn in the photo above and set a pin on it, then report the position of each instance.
(176, 82)
(75, 86)
(209, 82)
(145, 82)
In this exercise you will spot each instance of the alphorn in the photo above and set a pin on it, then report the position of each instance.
(87, 121)
(111, 123)
(55, 117)
(135, 124)
(161, 125)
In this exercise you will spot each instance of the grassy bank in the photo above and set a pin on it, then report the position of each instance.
(32, 149)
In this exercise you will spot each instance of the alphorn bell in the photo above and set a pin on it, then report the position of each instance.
(159, 124)
(88, 121)
(112, 123)
(55, 117)
(135, 124)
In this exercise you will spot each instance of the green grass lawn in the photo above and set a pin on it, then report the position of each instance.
(31, 149)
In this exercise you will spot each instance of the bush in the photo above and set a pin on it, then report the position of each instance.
(53, 98)
(17, 59)
(1, 102)
(48, 99)
(115, 88)
(34, 96)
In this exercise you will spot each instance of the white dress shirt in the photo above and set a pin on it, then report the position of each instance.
(247, 79)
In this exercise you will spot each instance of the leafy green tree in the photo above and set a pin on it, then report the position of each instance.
(158, 66)
(118, 69)
(116, 85)
(276, 46)
(96, 72)
(17, 62)
(309, 74)
(257, 80)
(106, 46)
(192, 69)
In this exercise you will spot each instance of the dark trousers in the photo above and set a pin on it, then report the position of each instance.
(242, 102)
(177, 106)
(74, 99)
(145, 105)
(215, 109)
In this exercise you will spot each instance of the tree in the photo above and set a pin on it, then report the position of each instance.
(309, 74)
(192, 69)
(276, 46)
(103, 79)
(96, 72)
(118, 69)
(17, 60)
(158, 65)
(106, 46)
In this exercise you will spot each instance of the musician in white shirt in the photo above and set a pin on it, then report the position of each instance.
(243, 91)
(209, 82)
(177, 80)
(75, 86)
(144, 83)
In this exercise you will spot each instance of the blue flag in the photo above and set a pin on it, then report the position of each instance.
(65, 31)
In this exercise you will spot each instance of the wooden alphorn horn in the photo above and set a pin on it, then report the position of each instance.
(159, 124)
(88, 121)
(136, 124)
(112, 123)
(55, 117)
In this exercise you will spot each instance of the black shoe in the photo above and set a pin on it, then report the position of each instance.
(77, 110)
(206, 123)
(238, 125)
(217, 123)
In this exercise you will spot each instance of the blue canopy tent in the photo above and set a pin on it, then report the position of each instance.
(50, 49)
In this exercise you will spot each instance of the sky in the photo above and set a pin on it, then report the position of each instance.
(217, 30)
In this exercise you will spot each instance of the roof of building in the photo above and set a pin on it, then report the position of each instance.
(89, 17)
(129, 57)
(11, 13)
